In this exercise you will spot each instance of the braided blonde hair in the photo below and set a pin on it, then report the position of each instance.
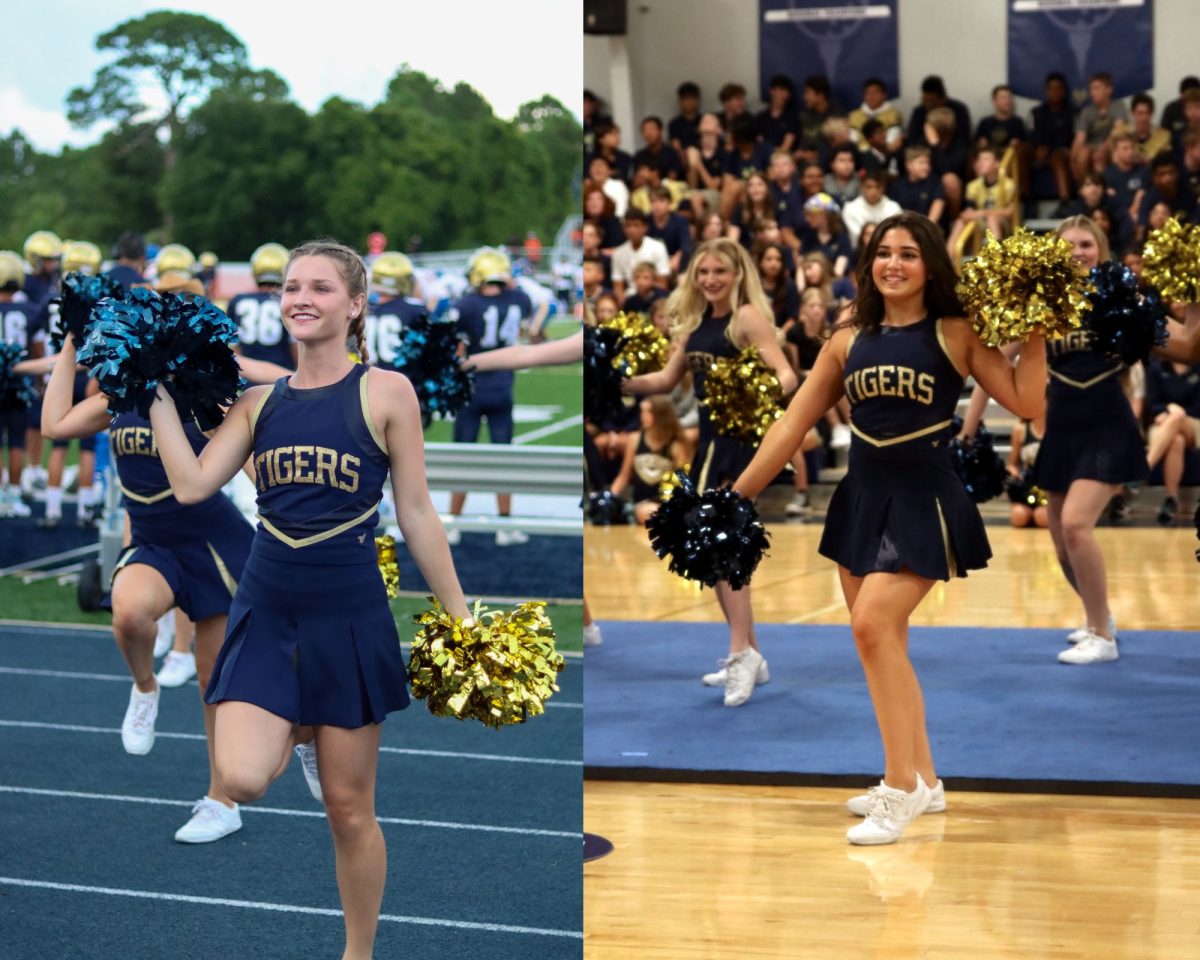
(353, 271)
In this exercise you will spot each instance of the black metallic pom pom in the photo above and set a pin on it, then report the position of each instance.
(602, 399)
(978, 465)
(606, 510)
(428, 355)
(16, 390)
(80, 295)
(711, 537)
(1124, 321)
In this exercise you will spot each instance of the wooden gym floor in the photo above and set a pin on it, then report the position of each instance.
(717, 871)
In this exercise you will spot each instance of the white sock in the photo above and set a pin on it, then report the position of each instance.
(54, 497)
(86, 497)
(14, 492)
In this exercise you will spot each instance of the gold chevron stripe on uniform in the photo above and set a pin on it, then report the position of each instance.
(1084, 384)
(941, 338)
(226, 576)
(902, 439)
(951, 560)
(139, 498)
(316, 537)
(366, 412)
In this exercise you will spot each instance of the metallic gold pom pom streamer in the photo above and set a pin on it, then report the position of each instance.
(389, 569)
(1171, 261)
(1022, 283)
(499, 671)
(642, 347)
(670, 483)
(743, 396)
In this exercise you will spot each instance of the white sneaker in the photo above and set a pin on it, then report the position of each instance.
(177, 669)
(16, 507)
(891, 811)
(1092, 649)
(840, 437)
(860, 806)
(211, 820)
(798, 505)
(1082, 633)
(166, 633)
(717, 679)
(453, 536)
(591, 635)
(741, 674)
(307, 754)
(509, 538)
(137, 729)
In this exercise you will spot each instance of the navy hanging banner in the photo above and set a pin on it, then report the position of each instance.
(1079, 38)
(848, 42)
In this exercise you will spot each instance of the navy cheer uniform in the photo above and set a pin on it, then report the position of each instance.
(384, 324)
(261, 334)
(901, 505)
(20, 321)
(311, 637)
(490, 323)
(200, 549)
(1091, 432)
(719, 460)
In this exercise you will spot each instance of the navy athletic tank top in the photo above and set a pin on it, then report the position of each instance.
(901, 385)
(705, 344)
(140, 472)
(320, 470)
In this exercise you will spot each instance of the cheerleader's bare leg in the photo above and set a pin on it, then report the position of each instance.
(735, 604)
(1078, 512)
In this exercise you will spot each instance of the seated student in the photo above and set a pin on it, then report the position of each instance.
(608, 146)
(876, 106)
(1093, 197)
(649, 178)
(1126, 178)
(657, 152)
(777, 122)
(835, 134)
(841, 182)
(683, 131)
(991, 200)
(658, 448)
(1004, 129)
(1053, 134)
(1111, 227)
(1189, 163)
(599, 172)
(756, 206)
(771, 259)
(919, 190)
(1166, 189)
(768, 232)
(1023, 449)
(591, 237)
(1173, 405)
(948, 154)
(733, 107)
(1148, 138)
(636, 248)
(748, 155)
(671, 228)
(1191, 119)
(818, 107)
(871, 206)
(706, 166)
(593, 280)
(874, 154)
(600, 209)
(645, 290)
(1096, 122)
(816, 270)
(826, 233)
(785, 188)
(1172, 115)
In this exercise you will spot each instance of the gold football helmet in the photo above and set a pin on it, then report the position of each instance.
(12, 271)
(268, 263)
(208, 260)
(42, 245)
(392, 273)
(81, 256)
(488, 265)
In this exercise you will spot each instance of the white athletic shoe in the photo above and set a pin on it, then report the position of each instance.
(1092, 649)
(177, 669)
(137, 729)
(839, 438)
(509, 538)
(741, 675)
(860, 806)
(591, 635)
(891, 811)
(166, 633)
(453, 536)
(1082, 633)
(717, 679)
(307, 754)
(211, 820)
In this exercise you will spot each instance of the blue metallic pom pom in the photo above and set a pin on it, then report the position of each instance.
(80, 294)
(428, 355)
(146, 339)
(17, 391)
(1124, 321)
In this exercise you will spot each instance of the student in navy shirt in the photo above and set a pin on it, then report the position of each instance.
(749, 155)
(608, 146)
(771, 260)
(658, 152)
(671, 228)
(918, 190)
(1165, 188)
(777, 122)
(1053, 134)
(826, 233)
(1126, 177)
(684, 128)
(645, 290)
(130, 253)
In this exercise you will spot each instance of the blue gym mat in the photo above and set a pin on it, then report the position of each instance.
(1002, 712)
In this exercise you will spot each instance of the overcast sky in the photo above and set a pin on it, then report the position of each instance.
(511, 52)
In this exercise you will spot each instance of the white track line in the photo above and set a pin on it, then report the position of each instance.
(549, 430)
(124, 678)
(278, 811)
(285, 908)
(451, 754)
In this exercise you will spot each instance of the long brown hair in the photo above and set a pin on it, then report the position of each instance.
(353, 271)
(941, 300)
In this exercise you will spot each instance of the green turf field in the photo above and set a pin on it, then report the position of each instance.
(47, 601)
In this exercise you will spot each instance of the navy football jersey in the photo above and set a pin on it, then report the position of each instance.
(125, 276)
(20, 322)
(261, 334)
(491, 323)
(384, 323)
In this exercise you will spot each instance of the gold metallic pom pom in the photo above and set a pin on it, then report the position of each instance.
(385, 554)
(642, 347)
(670, 482)
(1022, 283)
(1036, 497)
(499, 671)
(1171, 261)
(743, 396)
